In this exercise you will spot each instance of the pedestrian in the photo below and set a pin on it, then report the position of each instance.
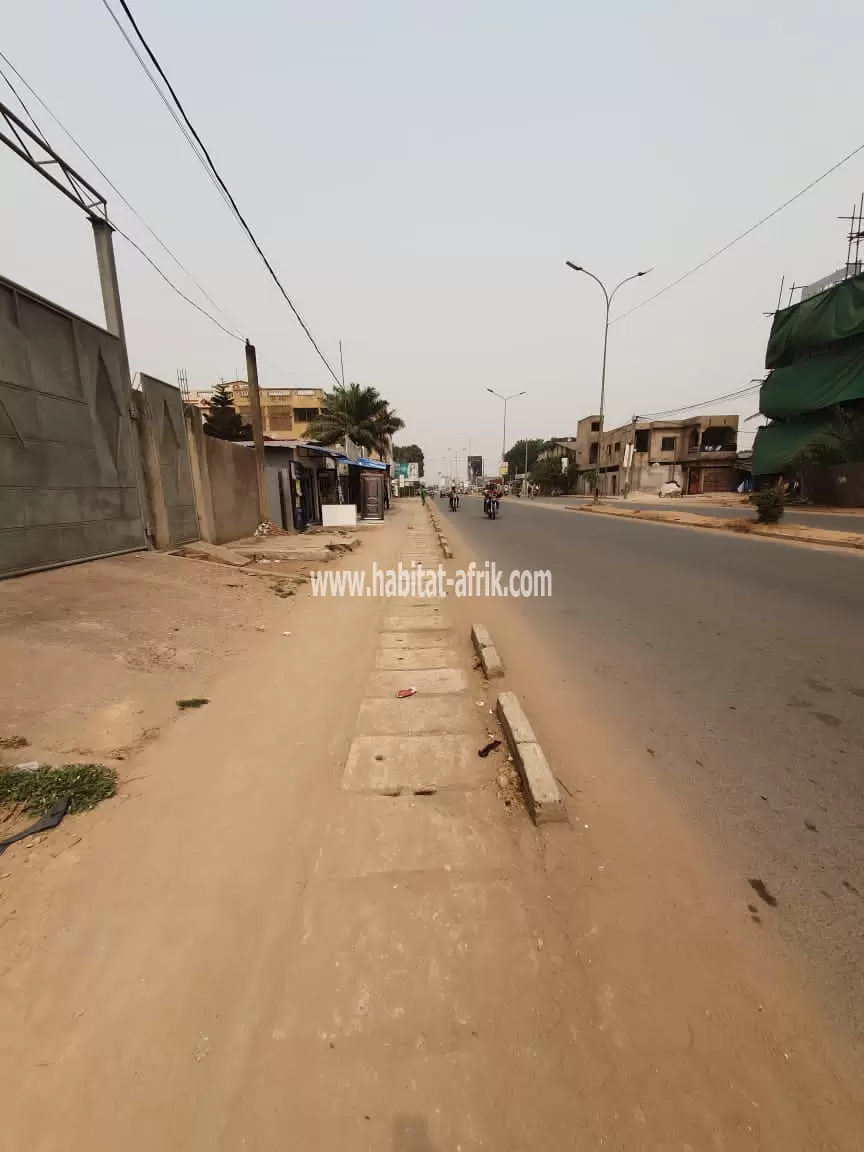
(423, 494)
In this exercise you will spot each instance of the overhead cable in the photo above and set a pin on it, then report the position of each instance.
(741, 236)
(701, 403)
(205, 158)
(128, 204)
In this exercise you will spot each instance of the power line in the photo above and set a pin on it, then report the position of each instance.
(128, 204)
(171, 284)
(41, 137)
(215, 172)
(165, 100)
(17, 95)
(702, 403)
(709, 259)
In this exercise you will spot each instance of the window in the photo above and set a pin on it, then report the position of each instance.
(595, 425)
(667, 444)
(608, 449)
(643, 440)
(592, 454)
(306, 414)
(617, 445)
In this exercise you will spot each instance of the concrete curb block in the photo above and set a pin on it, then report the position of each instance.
(490, 661)
(442, 539)
(540, 786)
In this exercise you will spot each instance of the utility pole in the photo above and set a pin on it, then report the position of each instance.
(608, 297)
(257, 430)
(632, 459)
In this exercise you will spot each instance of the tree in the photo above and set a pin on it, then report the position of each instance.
(515, 456)
(547, 475)
(223, 420)
(408, 454)
(359, 413)
(842, 442)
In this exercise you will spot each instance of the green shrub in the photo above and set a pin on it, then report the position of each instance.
(769, 505)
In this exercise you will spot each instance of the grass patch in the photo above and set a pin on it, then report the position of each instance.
(193, 702)
(37, 792)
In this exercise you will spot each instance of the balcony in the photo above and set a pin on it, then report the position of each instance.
(711, 450)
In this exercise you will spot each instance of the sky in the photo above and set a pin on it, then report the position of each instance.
(418, 173)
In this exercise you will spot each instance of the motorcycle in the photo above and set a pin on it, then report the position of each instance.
(491, 507)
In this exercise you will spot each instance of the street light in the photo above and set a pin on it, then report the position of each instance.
(608, 297)
(505, 399)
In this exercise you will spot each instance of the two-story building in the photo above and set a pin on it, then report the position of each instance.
(286, 413)
(698, 453)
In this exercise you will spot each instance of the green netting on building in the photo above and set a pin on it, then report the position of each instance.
(822, 321)
(778, 447)
(812, 384)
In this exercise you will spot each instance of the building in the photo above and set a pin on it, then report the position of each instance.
(286, 413)
(699, 453)
(815, 381)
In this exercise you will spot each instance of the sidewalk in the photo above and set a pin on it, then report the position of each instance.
(259, 945)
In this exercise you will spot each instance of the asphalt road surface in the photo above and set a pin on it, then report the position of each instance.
(738, 664)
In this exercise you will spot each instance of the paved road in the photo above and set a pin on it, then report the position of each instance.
(834, 521)
(739, 664)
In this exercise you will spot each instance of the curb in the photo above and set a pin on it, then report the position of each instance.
(852, 541)
(490, 661)
(540, 787)
(442, 539)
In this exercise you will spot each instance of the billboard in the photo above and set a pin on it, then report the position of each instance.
(475, 467)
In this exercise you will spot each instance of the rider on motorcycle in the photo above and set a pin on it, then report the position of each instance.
(492, 491)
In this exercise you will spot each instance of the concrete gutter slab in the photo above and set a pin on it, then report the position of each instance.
(418, 715)
(407, 639)
(428, 681)
(396, 660)
(388, 763)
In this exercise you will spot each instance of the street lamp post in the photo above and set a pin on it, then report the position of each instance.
(608, 297)
(506, 399)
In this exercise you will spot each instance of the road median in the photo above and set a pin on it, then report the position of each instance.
(790, 534)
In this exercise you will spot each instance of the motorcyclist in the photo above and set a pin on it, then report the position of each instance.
(492, 491)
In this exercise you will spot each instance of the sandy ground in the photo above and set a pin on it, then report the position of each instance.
(263, 947)
(94, 657)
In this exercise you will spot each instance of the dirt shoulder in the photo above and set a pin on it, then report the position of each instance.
(93, 658)
(795, 534)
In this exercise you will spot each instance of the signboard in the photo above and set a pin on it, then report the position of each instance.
(413, 472)
(503, 469)
(401, 468)
(475, 467)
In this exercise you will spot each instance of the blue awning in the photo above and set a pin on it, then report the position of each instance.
(362, 462)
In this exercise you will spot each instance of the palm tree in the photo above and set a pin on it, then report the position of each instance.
(357, 413)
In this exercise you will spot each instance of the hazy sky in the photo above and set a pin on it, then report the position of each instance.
(419, 173)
